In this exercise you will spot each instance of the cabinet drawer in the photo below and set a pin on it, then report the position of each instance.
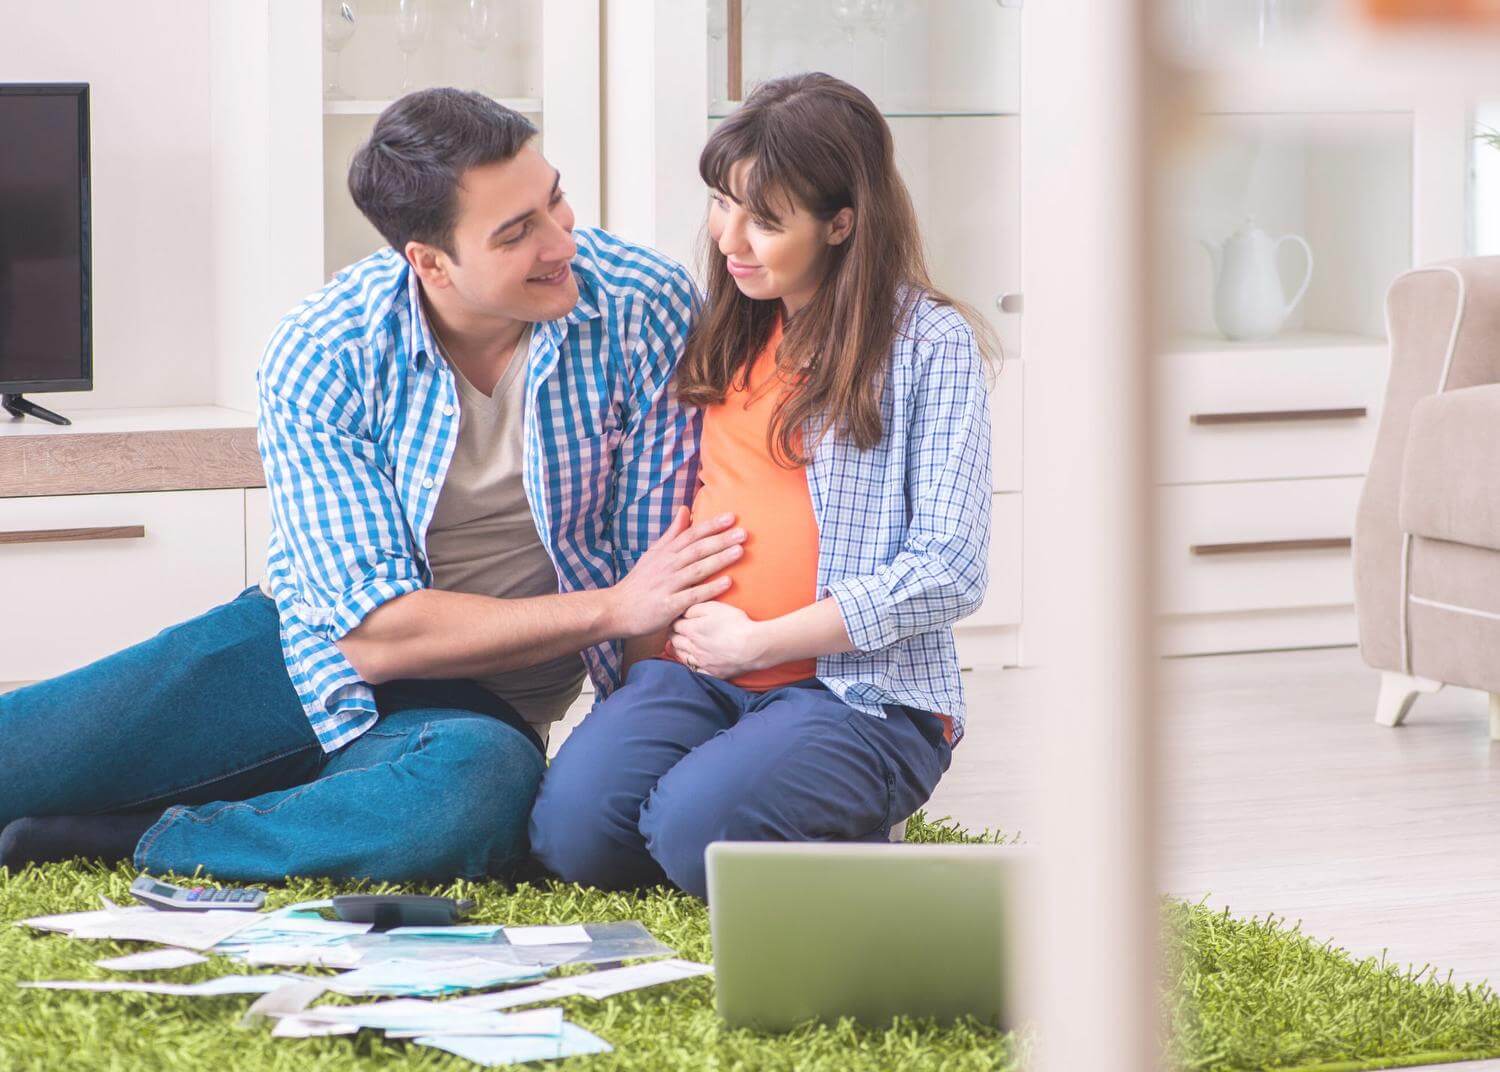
(1256, 546)
(1005, 425)
(1268, 414)
(87, 575)
(1002, 601)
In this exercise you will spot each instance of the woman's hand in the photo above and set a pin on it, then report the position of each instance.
(717, 639)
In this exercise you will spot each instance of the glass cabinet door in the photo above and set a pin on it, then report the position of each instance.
(947, 78)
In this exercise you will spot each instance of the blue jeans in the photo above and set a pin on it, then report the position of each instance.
(674, 760)
(202, 722)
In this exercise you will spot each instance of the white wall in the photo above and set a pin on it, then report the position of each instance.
(147, 65)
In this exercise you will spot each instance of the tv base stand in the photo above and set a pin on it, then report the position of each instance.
(18, 406)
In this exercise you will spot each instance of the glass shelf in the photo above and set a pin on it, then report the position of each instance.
(918, 59)
(524, 105)
(724, 109)
(1340, 180)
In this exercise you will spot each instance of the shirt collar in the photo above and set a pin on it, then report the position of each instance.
(422, 343)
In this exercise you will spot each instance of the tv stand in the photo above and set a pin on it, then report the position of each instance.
(18, 406)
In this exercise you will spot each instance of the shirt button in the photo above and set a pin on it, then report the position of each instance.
(447, 411)
(427, 483)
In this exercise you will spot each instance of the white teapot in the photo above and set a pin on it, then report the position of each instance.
(1248, 300)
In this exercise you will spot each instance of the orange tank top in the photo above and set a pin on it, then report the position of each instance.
(737, 474)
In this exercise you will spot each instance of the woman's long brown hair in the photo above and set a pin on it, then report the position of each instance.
(823, 143)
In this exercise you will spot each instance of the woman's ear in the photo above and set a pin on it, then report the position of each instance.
(841, 226)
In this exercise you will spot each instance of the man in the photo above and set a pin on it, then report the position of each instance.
(470, 444)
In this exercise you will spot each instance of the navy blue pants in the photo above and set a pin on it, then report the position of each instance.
(201, 724)
(674, 760)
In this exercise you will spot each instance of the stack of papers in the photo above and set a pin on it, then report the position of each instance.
(407, 964)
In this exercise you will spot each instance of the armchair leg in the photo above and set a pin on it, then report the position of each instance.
(1495, 716)
(1399, 691)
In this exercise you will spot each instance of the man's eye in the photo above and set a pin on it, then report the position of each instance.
(522, 233)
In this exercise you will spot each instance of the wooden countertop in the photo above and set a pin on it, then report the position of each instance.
(177, 448)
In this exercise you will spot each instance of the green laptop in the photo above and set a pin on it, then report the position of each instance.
(871, 931)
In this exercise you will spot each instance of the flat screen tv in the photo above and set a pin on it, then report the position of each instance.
(46, 336)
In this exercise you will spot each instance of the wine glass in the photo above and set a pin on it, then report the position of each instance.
(479, 29)
(338, 29)
(413, 27)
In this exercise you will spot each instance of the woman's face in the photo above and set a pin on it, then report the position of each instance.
(768, 260)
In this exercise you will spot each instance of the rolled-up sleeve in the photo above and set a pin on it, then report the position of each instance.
(333, 504)
(940, 573)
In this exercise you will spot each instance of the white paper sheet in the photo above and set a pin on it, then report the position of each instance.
(297, 953)
(606, 984)
(476, 930)
(67, 922)
(408, 1019)
(413, 977)
(551, 990)
(152, 960)
(570, 935)
(285, 1001)
(297, 1027)
(192, 930)
(494, 1051)
(224, 984)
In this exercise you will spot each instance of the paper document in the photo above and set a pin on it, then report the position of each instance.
(477, 930)
(596, 985)
(194, 930)
(67, 922)
(605, 984)
(573, 935)
(297, 1027)
(551, 990)
(224, 984)
(494, 1051)
(152, 960)
(411, 1018)
(414, 977)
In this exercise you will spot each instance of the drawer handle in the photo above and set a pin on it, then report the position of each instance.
(117, 532)
(1255, 547)
(1272, 415)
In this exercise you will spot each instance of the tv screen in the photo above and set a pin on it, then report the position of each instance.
(45, 331)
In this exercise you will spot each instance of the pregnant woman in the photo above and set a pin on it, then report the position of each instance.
(845, 425)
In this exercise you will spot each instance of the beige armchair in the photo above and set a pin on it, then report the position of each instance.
(1427, 537)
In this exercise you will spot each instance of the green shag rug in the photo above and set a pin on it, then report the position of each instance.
(1239, 995)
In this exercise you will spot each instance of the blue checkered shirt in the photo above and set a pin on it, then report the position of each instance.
(904, 528)
(358, 419)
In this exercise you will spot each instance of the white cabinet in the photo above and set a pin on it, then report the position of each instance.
(257, 534)
(87, 575)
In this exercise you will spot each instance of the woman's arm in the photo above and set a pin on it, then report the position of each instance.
(723, 641)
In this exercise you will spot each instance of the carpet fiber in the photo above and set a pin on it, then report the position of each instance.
(1239, 995)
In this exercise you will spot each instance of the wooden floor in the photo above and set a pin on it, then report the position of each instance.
(1280, 794)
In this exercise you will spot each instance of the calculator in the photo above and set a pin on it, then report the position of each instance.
(164, 895)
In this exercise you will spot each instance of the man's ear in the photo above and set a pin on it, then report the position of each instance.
(429, 262)
(841, 226)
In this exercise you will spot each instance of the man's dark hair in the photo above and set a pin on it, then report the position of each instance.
(405, 178)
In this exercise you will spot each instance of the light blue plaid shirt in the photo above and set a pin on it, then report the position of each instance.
(358, 419)
(904, 528)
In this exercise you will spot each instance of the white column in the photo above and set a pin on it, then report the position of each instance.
(571, 126)
(656, 120)
(1091, 979)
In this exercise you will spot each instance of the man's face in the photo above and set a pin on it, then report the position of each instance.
(513, 237)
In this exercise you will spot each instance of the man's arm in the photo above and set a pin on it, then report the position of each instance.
(451, 634)
(358, 583)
